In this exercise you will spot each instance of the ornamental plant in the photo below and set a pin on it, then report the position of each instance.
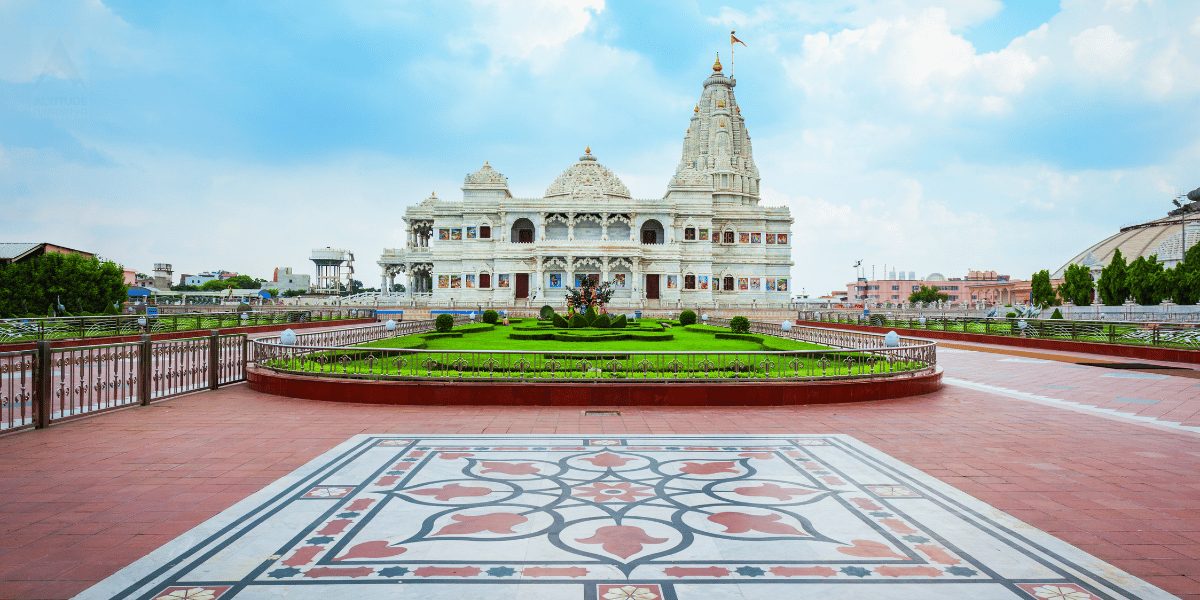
(491, 316)
(559, 321)
(546, 313)
(618, 323)
(1057, 314)
(687, 317)
(601, 322)
(590, 315)
(444, 323)
(739, 324)
(578, 321)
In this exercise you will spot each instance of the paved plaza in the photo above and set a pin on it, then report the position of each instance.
(1030, 475)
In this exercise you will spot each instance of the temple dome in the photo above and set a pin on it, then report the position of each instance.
(485, 178)
(587, 178)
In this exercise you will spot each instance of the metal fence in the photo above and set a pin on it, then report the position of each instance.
(851, 355)
(48, 384)
(62, 328)
(1164, 335)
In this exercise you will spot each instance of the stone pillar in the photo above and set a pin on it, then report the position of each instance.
(603, 269)
(570, 226)
(636, 284)
(570, 272)
(503, 227)
(604, 226)
(535, 286)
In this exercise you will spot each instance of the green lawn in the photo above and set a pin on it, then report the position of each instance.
(687, 352)
(656, 338)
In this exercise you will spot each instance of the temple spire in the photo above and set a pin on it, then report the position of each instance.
(717, 64)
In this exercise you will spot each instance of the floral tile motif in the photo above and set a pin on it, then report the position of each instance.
(328, 492)
(636, 518)
(637, 591)
(1060, 591)
(892, 491)
(192, 593)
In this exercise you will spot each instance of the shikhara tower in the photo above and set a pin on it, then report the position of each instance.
(707, 241)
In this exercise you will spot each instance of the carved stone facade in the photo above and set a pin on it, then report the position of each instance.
(706, 241)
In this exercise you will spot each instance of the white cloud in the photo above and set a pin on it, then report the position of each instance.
(520, 29)
(1102, 50)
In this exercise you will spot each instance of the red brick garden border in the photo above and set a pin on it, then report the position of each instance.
(608, 393)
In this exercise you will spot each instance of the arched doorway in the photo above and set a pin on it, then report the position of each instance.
(653, 233)
(522, 232)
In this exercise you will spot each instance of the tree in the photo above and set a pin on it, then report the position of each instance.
(1144, 282)
(82, 284)
(294, 293)
(1040, 289)
(1185, 280)
(185, 288)
(1113, 286)
(1077, 286)
(928, 294)
(237, 282)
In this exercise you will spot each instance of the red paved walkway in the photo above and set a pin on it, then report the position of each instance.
(83, 499)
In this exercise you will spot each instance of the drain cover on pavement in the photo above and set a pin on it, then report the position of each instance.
(628, 518)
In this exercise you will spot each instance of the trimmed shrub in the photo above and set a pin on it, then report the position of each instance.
(578, 321)
(243, 307)
(590, 315)
(436, 336)
(745, 337)
(739, 324)
(1057, 314)
(687, 317)
(1010, 315)
(444, 323)
(547, 313)
(491, 316)
(601, 321)
(559, 321)
(617, 323)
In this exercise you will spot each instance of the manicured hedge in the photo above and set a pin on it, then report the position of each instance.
(618, 323)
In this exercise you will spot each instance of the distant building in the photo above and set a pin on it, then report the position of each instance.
(285, 280)
(17, 252)
(986, 286)
(199, 279)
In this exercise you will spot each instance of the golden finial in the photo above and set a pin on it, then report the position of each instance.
(722, 122)
(721, 103)
(697, 109)
(588, 149)
(485, 163)
(688, 131)
(717, 65)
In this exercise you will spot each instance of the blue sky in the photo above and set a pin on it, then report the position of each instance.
(921, 134)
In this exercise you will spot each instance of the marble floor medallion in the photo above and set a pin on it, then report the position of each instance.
(629, 518)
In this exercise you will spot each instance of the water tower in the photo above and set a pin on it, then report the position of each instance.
(335, 269)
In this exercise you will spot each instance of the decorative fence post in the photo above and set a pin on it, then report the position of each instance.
(42, 400)
(214, 359)
(145, 388)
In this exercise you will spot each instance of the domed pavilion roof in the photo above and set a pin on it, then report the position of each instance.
(1160, 236)
(587, 178)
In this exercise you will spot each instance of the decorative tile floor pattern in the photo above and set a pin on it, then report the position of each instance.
(629, 517)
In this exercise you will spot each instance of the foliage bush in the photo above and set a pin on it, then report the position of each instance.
(601, 322)
(1113, 286)
(1011, 315)
(559, 321)
(578, 321)
(547, 312)
(491, 316)
(617, 323)
(444, 323)
(82, 284)
(1042, 291)
(1077, 285)
(687, 317)
(243, 307)
(1057, 314)
(739, 324)
(590, 315)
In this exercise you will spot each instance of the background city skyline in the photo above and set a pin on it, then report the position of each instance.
(927, 136)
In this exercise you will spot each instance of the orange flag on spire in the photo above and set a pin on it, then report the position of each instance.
(733, 39)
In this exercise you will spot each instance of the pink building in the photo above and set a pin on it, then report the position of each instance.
(897, 287)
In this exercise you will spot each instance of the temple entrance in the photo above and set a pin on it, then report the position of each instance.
(652, 287)
(522, 285)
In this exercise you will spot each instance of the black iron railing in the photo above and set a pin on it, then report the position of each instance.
(48, 384)
(1162, 335)
(63, 328)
